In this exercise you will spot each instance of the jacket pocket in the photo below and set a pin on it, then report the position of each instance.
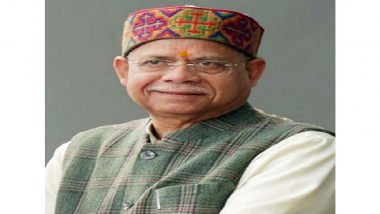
(192, 198)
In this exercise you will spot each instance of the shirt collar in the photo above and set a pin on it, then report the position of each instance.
(150, 132)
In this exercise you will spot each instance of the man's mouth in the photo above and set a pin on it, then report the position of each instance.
(183, 93)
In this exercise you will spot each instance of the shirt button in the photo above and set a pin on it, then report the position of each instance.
(127, 205)
(147, 155)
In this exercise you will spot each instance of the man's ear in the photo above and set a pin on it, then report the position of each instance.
(120, 64)
(255, 69)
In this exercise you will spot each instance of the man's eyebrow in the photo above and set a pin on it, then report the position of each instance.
(211, 57)
(165, 57)
(154, 56)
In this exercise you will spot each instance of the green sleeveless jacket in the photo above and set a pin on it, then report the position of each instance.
(114, 169)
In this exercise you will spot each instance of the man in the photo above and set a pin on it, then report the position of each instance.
(203, 149)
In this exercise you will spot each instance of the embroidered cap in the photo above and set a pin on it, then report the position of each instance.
(189, 22)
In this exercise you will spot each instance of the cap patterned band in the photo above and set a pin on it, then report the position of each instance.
(188, 22)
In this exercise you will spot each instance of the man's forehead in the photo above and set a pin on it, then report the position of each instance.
(184, 48)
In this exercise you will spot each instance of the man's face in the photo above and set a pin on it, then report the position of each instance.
(181, 91)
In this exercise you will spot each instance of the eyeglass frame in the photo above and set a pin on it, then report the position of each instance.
(190, 65)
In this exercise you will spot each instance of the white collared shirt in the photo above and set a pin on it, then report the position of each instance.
(297, 175)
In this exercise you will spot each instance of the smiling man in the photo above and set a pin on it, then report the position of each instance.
(181, 82)
(203, 149)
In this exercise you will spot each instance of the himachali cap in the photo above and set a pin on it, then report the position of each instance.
(189, 22)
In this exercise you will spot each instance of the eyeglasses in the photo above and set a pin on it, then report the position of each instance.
(212, 67)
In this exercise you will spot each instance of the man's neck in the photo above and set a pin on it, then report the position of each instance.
(161, 126)
(165, 123)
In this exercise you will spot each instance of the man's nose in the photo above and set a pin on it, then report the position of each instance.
(181, 73)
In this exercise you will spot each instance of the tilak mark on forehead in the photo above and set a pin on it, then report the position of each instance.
(183, 54)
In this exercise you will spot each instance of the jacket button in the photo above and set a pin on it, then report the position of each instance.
(127, 205)
(148, 155)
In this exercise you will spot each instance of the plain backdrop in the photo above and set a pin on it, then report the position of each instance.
(83, 37)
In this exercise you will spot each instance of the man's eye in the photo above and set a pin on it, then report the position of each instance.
(211, 64)
(205, 63)
(153, 62)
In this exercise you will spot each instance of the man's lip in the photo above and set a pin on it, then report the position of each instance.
(197, 93)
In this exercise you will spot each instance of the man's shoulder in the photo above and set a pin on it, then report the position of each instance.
(90, 142)
(272, 121)
(249, 119)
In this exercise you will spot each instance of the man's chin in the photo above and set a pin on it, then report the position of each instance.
(177, 109)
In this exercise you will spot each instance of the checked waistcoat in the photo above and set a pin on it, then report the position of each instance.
(115, 169)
